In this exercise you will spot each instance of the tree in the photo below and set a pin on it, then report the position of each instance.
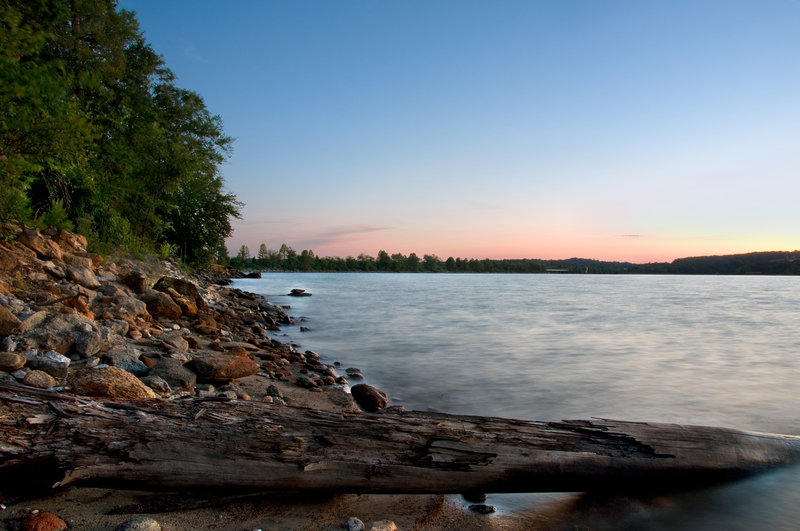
(262, 252)
(431, 262)
(384, 261)
(367, 262)
(413, 263)
(244, 253)
(307, 260)
(399, 262)
(450, 264)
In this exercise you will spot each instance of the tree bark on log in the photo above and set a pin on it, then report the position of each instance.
(200, 443)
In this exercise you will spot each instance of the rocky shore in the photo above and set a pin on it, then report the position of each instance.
(74, 322)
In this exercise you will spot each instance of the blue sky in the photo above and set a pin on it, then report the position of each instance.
(637, 131)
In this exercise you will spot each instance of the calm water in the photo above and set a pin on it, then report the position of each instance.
(721, 351)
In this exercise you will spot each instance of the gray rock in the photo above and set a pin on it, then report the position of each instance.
(54, 333)
(158, 385)
(115, 326)
(274, 391)
(174, 339)
(83, 276)
(305, 381)
(140, 523)
(127, 359)
(8, 344)
(354, 524)
(131, 307)
(176, 375)
(483, 509)
(21, 373)
(31, 321)
(88, 342)
(4, 376)
(52, 363)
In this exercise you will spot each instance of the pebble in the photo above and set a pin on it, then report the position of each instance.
(39, 379)
(354, 524)
(140, 523)
(383, 525)
(483, 509)
(43, 521)
(475, 497)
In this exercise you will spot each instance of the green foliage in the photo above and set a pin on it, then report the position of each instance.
(244, 253)
(57, 217)
(94, 131)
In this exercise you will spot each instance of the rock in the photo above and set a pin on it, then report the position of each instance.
(369, 398)
(136, 280)
(39, 379)
(176, 375)
(483, 509)
(305, 381)
(53, 363)
(140, 523)
(88, 341)
(43, 521)
(223, 367)
(354, 524)
(69, 242)
(109, 382)
(124, 307)
(8, 344)
(158, 385)
(184, 287)
(159, 304)
(274, 391)
(32, 321)
(73, 260)
(54, 333)
(10, 362)
(83, 276)
(174, 339)
(299, 293)
(4, 376)
(383, 525)
(8, 322)
(127, 359)
(44, 247)
(475, 497)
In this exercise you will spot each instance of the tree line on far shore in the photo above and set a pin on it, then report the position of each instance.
(287, 259)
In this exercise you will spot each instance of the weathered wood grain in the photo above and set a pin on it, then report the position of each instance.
(160, 444)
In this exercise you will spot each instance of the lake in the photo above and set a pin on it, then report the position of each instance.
(709, 350)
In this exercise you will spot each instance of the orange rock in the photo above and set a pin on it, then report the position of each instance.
(43, 521)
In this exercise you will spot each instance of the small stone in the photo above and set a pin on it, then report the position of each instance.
(140, 523)
(274, 391)
(8, 344)
(383, 525)
(267, 400)
(158, 385)
(10, 362)
(43, 521)
(305, 381)
(52, 363)
(369, 398)
(354, 524)
(483, 509)
(92, 362)
(39, 379)
(8, 322)
(475, 497)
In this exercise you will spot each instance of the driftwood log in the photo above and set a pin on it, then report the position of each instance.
(201, 443)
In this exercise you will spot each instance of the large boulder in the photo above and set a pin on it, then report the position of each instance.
(69, 242)
(159, 304)
(135, 280)
(126, 308)
(53, 333)
(108, 382)
(223, 367)
(8, 322)
(174, 339)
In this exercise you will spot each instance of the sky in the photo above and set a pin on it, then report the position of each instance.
(615, 130)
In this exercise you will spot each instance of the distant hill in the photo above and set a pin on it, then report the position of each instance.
(765, 263)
